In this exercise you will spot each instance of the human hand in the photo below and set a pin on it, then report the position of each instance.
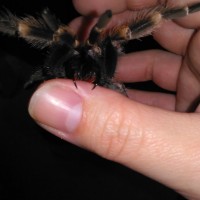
(143, 133)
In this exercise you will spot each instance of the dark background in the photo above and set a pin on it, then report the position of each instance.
(35, 164)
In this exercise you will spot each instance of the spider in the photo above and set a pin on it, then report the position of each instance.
(93, 60)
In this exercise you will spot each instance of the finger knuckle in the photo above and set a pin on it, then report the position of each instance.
(118, 136)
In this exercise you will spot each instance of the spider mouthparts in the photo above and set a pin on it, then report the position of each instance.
(94, 86)
(75, 84)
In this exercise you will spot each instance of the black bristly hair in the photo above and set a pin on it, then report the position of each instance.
(93, 60)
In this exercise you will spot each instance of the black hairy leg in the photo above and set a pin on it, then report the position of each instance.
(93, 60)
(43, 31)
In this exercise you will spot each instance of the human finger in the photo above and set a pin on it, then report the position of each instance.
(173, 37)
(99, 6)
(159, 66)
(160, 144)
(188, 91)
(157, 99)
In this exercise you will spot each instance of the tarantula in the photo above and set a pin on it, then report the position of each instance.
(93, 60)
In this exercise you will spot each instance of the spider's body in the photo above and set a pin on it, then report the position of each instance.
(93, 60)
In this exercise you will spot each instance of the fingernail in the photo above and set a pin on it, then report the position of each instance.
(56, 106)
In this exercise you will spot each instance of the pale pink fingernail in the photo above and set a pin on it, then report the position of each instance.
(56, 106)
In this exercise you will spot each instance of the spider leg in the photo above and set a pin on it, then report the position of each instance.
(180, 12)
(99, 26)
(110, 58)
(108, 80)
(147, 20)
(62, 33)
(36, 77)
(41, 32)
(53, 67)
(8, 23)
(194, 8)
(35, 31)
(50, 19)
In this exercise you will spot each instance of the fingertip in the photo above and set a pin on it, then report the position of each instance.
(56, 105)
(99, 6)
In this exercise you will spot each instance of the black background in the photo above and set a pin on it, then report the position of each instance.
(35, 164)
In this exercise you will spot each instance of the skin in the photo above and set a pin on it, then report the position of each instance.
(151, 133)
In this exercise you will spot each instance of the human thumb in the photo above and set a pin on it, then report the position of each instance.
(100, 120)
(152, 141)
